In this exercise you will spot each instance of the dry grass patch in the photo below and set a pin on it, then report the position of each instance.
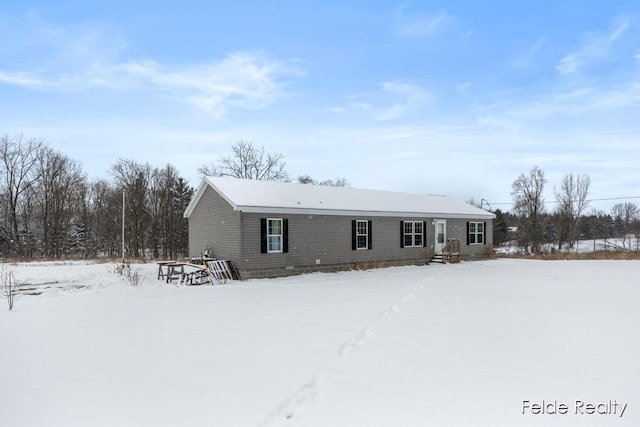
(598, 255)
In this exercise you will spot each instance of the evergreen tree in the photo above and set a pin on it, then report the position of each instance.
(500, 228)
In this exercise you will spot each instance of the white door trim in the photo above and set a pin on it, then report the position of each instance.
(440, 235)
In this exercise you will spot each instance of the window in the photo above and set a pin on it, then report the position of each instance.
(476, 233)
(362, 234)
(412, 233)
(274, 235)
(418, 233)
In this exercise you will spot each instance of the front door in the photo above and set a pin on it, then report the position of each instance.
(441, 235)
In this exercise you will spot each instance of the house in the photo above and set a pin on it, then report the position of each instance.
(271, 229)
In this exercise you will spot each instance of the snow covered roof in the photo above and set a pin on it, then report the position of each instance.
(284, 197)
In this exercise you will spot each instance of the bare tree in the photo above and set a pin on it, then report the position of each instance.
(249, 162)
(18, 169)
(626, 214)
(27, 217)
(158, 189)
(169, 196)
(134, 178)
(48, 208)
(572, 201)
(104, 207)
(529, 206)
(8, 285)
(56, 196)
(306, 179)
(338, 182)
(209, 170)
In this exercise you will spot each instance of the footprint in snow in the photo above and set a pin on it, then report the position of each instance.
(290, 410)
(388, 312)
(354, 345)
(407, 297)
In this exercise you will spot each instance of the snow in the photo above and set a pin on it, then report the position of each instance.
(285, 197)
(454, 345)
(630, 242)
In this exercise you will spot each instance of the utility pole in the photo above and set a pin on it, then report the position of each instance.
(123, 200)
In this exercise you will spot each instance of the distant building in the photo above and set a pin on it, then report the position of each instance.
(268, 229)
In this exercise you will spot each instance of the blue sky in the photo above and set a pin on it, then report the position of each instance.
(453, 98)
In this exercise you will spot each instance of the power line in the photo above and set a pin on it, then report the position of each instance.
(614, 198)
(588, 200)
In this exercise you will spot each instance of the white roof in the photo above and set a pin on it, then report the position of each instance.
(288, 198)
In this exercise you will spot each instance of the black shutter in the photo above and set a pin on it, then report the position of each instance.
(467, 233)
(370, 231)
(484, 234)
(263, 235)
(402, 234)
(424, 233)
(285, 235)
(353, 235)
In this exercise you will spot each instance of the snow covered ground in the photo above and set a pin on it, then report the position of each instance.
(630, 243)
(453, 345)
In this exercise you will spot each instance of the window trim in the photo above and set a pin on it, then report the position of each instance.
(417, 234)
(281, 235)
(365, 234)
(413, 234)
(474, 236)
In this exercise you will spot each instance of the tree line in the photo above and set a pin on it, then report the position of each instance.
(537, 229)
(50, 209)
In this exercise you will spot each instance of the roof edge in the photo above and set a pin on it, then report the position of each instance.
(342, 212)
(206, 182)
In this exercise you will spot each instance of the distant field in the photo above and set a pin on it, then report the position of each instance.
(615, 248)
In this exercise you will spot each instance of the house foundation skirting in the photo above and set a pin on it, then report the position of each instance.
(332, 268)
(327, 268)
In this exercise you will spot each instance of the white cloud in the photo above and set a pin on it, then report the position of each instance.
(620, 28)
(246, 80)
(396, 99)
(422, 24)
(241, 80)
(76, 59)
(463, 88)
(582, 102)
(22, 79)
(597, 46)
(527, 58)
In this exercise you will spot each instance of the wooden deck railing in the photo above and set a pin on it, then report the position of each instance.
(451, 252)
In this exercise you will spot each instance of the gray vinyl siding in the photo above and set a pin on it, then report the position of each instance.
(316, 242)
(324, 242)
(457, 229)
(321, 241)
(214, 225)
